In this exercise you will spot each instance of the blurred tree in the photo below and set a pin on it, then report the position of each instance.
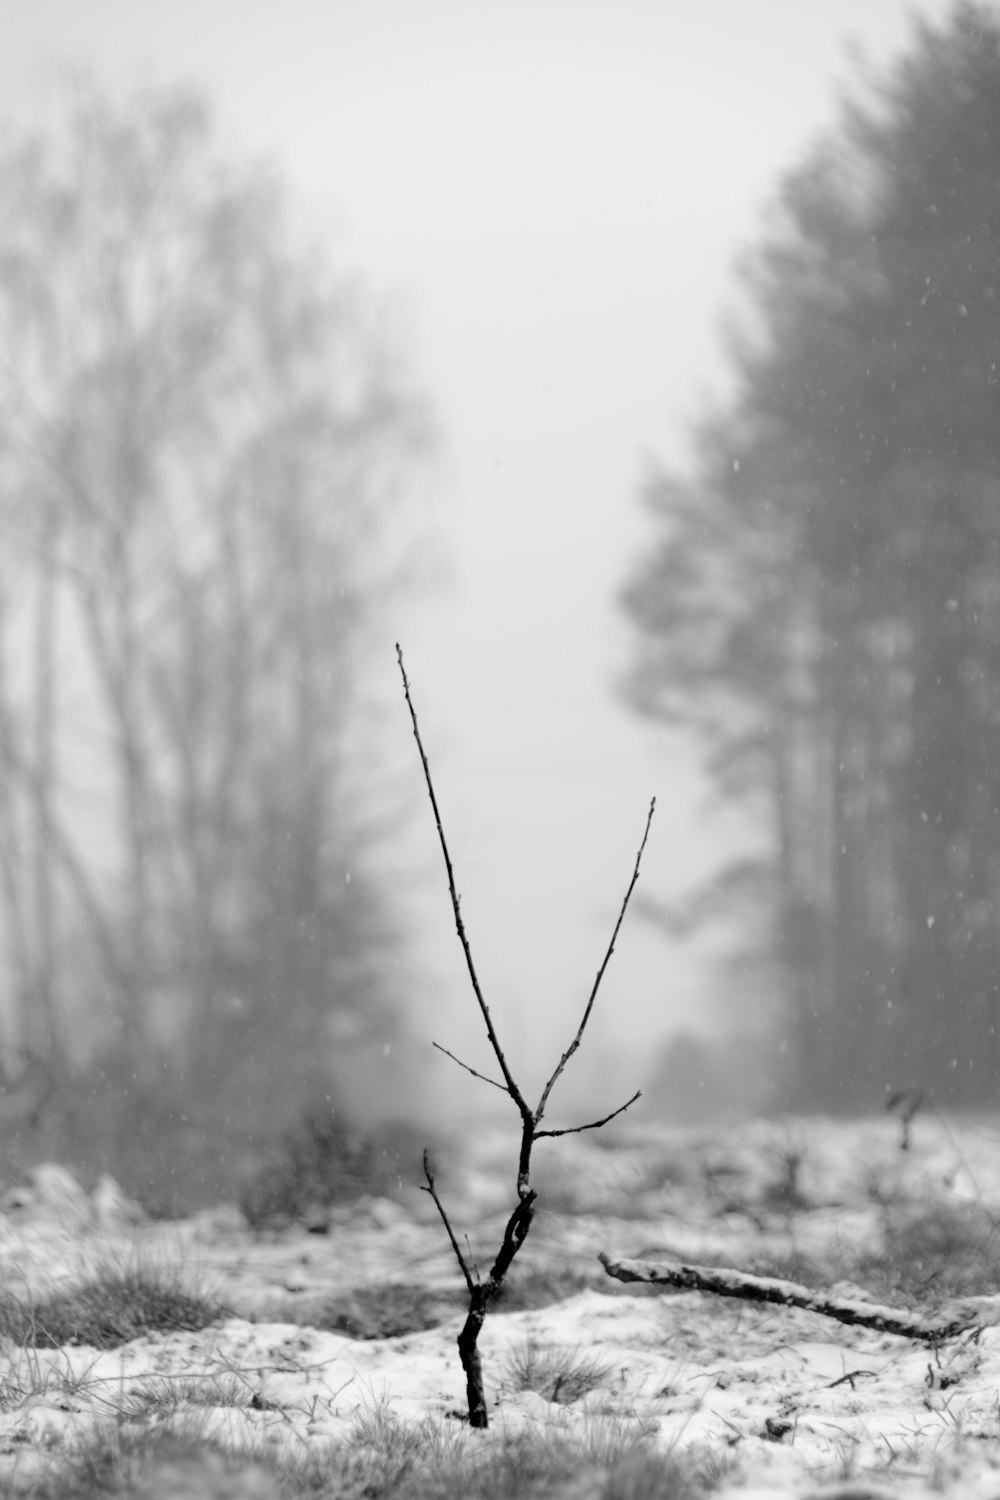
(823, 605)
(203, 436)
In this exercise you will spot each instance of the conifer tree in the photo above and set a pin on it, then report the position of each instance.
(822, 603)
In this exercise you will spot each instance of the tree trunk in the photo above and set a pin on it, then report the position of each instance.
(40, 1025)
(468, 1353)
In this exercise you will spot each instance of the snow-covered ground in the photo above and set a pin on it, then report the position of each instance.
(782, 1403)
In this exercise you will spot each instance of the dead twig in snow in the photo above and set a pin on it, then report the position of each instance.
(723, 1282)
(907, 1103)
(481, 1292)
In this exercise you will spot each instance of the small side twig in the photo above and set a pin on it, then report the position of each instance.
(430, 1188)
(742, 1284)
(502, 1087)
(593, 1124)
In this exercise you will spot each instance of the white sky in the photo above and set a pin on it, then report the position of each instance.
(553, 195)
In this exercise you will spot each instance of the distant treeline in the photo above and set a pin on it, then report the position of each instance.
(822, 603)
(203, 440)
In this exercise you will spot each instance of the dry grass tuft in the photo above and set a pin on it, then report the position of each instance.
(117, 1304)
(560, 1375)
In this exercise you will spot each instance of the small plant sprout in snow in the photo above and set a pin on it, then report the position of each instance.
(481, 1293)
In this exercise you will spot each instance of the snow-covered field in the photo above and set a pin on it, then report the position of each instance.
(775, 1402)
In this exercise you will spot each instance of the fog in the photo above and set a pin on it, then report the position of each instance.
(546, 203)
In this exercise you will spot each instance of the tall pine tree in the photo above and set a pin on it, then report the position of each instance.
(822, 601)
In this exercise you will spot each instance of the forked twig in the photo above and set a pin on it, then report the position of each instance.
(519, 1222)
(502, 1087)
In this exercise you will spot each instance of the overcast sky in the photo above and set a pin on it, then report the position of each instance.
(552, 196)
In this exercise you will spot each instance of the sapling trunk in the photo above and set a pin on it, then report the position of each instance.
(481, 1293)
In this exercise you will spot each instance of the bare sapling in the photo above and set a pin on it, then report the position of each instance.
(481, 1293)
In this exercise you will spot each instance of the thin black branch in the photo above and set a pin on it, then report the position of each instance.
(574, 1044)
(430, 1188)
(481, 1293)
(594, 1124)
(512, 1088)
(465, 1065)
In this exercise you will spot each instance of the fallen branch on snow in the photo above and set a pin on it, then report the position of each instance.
(727, 1283)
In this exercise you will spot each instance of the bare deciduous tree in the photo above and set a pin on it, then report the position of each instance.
(203, 436)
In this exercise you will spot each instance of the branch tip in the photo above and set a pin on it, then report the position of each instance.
(456, 904)
(502, 1087)
(593, 1124)
(574, 1044)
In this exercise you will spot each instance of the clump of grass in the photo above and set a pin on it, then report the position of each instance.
(928, 1256)
(797, 1265)
(114, 1306)
(378, 1429)
(134, 1462)
(616, 1463)
(383, 1456)
(336, 1473)
(27, 1373)
(937, 1252)
(560, 1375)
(783, 1193)
(379, 1312)
(163, 1396)
(526, 1290)
(326, 1160)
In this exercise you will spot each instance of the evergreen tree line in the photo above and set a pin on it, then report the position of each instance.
(821, 604)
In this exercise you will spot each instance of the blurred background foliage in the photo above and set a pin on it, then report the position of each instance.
(205, 440)
(820, 602)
